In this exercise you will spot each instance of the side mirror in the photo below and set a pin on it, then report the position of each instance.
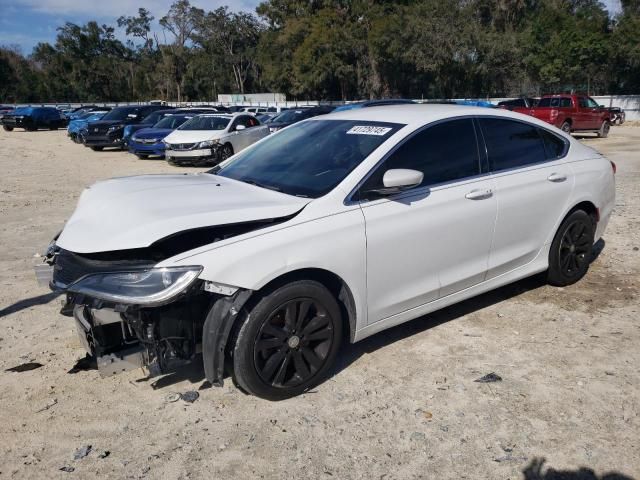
(240, 127)
(399, 179)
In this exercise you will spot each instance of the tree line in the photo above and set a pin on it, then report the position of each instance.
(336, 50)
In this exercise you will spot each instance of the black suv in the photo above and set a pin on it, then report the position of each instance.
(33, 118)
(109, 131)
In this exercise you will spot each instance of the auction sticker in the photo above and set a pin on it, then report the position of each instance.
(368, 130)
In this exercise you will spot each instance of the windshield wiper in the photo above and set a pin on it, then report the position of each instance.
(261, 185)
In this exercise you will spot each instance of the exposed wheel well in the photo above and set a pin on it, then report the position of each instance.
(568, 120)
(333, 283)
(589, 208)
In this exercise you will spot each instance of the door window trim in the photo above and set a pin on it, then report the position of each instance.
(352, 197)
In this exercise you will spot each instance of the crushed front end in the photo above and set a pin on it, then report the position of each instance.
(128, 313)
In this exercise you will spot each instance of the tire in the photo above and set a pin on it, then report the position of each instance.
(7, 128)
(142, 157)
(571, 249)
(603, 131)
(97, 149)
(566, 127)
(287, 341)
(226, 152)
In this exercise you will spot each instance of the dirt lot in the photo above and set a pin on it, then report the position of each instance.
(402, 404)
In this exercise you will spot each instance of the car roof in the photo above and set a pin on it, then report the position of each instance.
(223, 114)
(418, 114)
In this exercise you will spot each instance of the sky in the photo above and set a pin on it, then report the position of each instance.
(27, 22)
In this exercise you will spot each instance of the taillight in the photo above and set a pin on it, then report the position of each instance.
(613, 167)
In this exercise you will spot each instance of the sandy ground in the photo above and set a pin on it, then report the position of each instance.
(402, 404)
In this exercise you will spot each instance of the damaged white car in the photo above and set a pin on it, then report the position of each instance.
(335, 228)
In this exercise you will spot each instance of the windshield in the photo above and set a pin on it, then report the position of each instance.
(172, 121)
(86, 115)
(310, 158)
(291, 116)
(206, 123)
(120, 113)
(154, 117)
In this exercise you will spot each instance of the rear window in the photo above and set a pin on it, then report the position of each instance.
(555, 147)
(512, 144)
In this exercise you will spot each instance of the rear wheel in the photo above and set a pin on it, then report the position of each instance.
(97, 149)
(288, 341)
(566, 127)
(7, 128)
(603, 132)
(571, 249)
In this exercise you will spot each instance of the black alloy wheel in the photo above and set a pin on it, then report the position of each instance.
(293, 343)
(571, 250)
(287, 340)
(574, 248)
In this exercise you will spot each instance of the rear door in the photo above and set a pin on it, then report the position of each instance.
(532, 186)
(434, 239)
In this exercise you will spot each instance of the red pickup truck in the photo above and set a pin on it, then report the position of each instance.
(571, 113)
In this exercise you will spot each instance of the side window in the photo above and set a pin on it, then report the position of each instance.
(591, 103)
(444, 152)
(582, 101)
(555, 102)
(565, 102)
(555, 147)
(511, 144)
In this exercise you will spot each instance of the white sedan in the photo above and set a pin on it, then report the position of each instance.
(337, 227)
(212, 138)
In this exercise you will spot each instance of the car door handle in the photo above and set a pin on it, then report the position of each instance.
(557, 177)
(479, 194)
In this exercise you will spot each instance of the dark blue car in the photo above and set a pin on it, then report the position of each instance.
(149, 141)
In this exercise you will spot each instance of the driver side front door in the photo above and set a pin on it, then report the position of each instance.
(433, 240)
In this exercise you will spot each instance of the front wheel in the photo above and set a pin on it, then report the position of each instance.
(226, 152)
(288, 341)
(603, 132)
(7, 128)
(566, 127)
(571, 249)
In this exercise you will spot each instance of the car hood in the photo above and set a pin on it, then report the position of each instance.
(153, 132)
(192, 136)
(134, 212)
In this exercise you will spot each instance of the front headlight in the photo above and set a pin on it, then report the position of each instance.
(207, 144)
(150, 287)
